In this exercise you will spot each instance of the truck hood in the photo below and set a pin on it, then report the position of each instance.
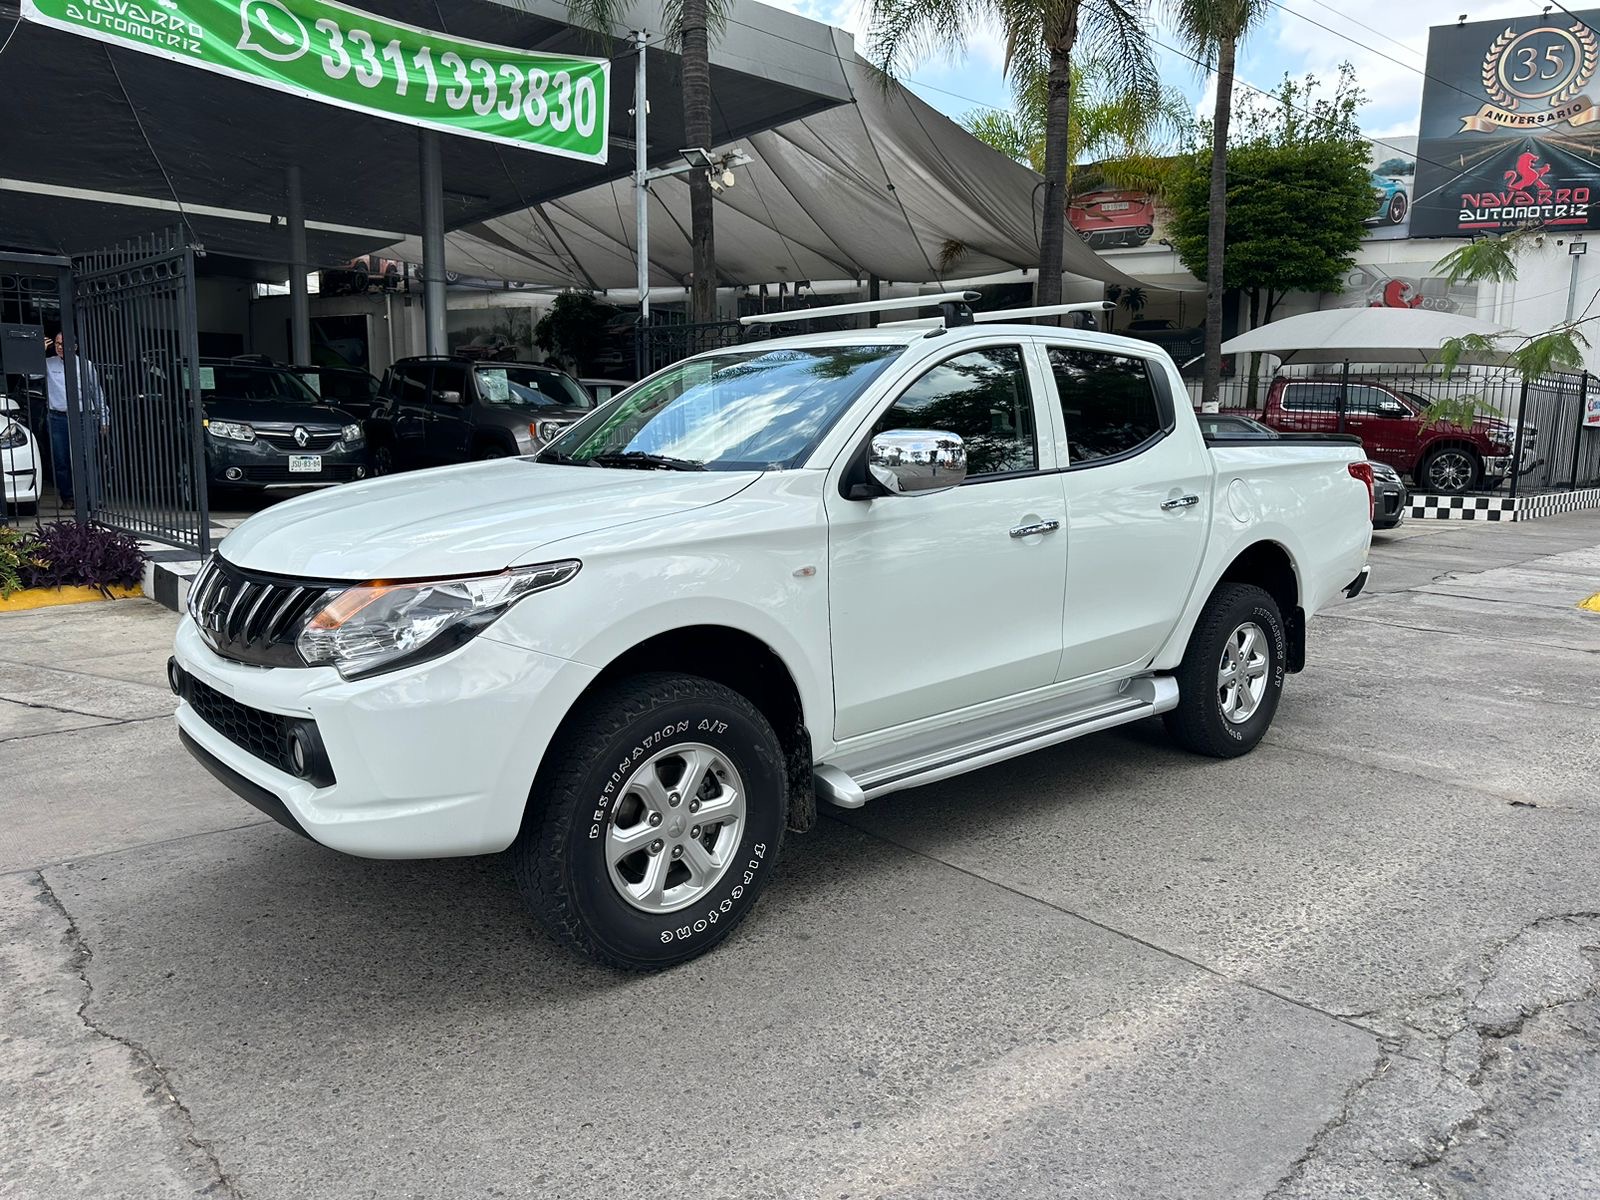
(464, 520)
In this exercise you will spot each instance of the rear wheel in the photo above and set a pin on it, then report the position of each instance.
(1231, 677)
(656, 823)
(1398, 206)
(1450, 471)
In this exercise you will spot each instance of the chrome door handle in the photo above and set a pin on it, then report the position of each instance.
(1022, 531)
(1180, 502)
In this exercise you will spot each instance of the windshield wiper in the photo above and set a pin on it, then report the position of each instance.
(646, 462)
(566, 460)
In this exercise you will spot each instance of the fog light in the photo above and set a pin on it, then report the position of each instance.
(175, 677)
(361, 472)
(297, 753)
(233, 474)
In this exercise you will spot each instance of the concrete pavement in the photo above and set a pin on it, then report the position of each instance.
(1360, 962)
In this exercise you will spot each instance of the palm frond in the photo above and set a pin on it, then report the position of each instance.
(902, 32)
(717, 13)
(601, 20)
(1490, 259)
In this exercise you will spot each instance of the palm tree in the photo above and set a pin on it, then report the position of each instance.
(1214, 29)
(691, 24)
(1124, 133)
(1040, 36)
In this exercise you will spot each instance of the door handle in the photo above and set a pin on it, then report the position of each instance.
(1022, 531)
(1180, 502)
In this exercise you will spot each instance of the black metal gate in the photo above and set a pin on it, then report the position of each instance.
(139, 379)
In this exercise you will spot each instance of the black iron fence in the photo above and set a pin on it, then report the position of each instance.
(1477, 429)
(140, 379)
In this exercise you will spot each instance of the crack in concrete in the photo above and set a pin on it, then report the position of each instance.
(1352, 1093)
(100, 722)
(1409, 1024)
(158, 1083)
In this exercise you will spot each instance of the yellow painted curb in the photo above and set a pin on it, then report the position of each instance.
(1592, 603)
(30, 598)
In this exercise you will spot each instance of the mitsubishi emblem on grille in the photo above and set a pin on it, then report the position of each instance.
(301, 437)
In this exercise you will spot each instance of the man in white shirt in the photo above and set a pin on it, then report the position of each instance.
(89, 400)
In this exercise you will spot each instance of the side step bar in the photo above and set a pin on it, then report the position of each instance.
(1146, 698)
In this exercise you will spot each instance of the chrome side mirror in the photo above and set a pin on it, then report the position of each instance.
(906, 462)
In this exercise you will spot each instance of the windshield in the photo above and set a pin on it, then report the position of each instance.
(254, 383)
(530, 387)
(746, 410)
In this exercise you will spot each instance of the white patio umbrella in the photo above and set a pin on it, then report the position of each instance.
(1361, 335)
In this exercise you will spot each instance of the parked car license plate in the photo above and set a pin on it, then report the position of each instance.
(1115, 206)
(305, 464)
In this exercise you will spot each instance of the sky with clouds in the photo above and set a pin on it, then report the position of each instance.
(1385, 40)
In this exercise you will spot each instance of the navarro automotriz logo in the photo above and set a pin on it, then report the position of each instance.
(1527, 199)
(1546, 66)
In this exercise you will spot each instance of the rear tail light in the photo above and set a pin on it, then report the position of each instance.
(1363, 472)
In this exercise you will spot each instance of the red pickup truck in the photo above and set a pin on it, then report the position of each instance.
(1392, 427)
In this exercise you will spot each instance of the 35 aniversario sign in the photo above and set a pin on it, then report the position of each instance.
(1510, 133)
(339, 55)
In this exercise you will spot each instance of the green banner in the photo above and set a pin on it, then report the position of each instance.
(339, 55)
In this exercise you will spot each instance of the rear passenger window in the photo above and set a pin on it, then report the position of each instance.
(1107, 401)
(1311, 397)
(981, 396)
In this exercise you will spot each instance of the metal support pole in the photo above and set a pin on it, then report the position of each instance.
(299, 298)
(1577, 429)
(433, 302)
(874, 292)
(1344, 392)
(1576, 251)
(1516, 446)
(641, 202)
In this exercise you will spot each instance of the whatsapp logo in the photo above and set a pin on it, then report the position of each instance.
(272, 31)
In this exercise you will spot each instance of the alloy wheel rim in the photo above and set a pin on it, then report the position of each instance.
(1242, 673)
(1451, 472)
(675, 829)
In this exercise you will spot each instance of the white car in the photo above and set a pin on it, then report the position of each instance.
(824, 567)
(19, 460)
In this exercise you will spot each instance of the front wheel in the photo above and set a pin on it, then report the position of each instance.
(382, 460)
(1398, 206)
(656, 823)
(1450, 471)
(1231, 677)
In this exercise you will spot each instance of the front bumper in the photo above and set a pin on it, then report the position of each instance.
(260, 464)
(434, 760)
(1389, 502)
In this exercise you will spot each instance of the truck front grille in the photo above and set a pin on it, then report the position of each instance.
(249, 617)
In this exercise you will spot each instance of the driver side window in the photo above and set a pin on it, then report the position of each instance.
(982, 396)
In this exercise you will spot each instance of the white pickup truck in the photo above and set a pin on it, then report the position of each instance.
(820, 567)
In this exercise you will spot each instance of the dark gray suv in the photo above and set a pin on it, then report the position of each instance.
(435, 411)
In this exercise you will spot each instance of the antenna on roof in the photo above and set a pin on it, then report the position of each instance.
(955, 307)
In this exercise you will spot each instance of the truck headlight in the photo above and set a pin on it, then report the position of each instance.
(233, 431)
(378, 626)
(351, 434)
(549, 431)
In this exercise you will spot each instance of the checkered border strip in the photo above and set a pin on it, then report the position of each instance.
(1502, 508)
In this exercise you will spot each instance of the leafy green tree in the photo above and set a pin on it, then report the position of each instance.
(1298, 197)
(1212, 30)
(572, 329)
(1040, 36)
(1299, 194)
(691, 25)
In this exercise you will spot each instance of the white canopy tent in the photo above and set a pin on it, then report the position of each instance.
(1360, 335)
(883, 186)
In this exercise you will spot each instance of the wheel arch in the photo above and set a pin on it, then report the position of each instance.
(744, 662)
(1270, 566)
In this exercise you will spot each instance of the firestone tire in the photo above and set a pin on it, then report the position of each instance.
(1210, 718)
(608, 776)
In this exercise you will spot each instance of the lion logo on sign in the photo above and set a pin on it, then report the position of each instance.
(1529, 173)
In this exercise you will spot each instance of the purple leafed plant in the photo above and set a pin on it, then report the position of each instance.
(77, 554)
